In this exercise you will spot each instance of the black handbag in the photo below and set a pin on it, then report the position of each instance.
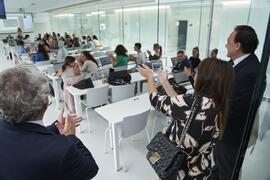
(119, 77)
(84, 84)
(164, 155)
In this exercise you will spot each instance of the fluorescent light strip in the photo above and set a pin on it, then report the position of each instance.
(141, 8)
(64, 15)
(95, 13)
(234, 3)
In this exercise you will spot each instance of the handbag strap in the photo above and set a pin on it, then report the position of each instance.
(188, 122)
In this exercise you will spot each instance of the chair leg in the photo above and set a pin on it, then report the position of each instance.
(122, 154)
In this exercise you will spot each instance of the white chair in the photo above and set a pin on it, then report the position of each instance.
(122, 92)
(95, 97)
(130, 126)
(157, 115)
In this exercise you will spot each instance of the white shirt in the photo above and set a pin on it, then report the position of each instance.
(238, 60)
(141, 58)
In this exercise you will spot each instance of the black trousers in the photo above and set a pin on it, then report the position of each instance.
(225, 158)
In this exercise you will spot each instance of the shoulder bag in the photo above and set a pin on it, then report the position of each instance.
(164, 155)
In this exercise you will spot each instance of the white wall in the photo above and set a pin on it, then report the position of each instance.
(42, 23)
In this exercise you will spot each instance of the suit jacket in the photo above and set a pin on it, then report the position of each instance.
(30, 151)
(226, 150)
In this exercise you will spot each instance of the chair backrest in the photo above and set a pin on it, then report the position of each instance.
(97, 96)
(132, 125)
(122, 92)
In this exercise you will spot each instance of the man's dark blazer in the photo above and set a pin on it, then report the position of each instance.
(30, 151)
(225, 151)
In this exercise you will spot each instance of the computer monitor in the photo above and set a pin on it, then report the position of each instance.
(180, 77)
(105, 61)
(57, 66)
(2, 10)
(174, 61)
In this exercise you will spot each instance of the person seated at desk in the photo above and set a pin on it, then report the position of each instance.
(21, 49)
(214, 53)
(90, 43)
(27, 146)
(62, 52)
(121, 58)
(76, 42)
(140, 59)
(194, 59)
(96, 41)
(41, 55)
(71, 74)
(158, 52)
(87, 63)
(183, 61)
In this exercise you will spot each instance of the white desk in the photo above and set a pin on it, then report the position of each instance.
(56, 82)
(114, 114)
(77, 93)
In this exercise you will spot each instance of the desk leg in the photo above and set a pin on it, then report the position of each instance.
(116, 147)
(56, 93)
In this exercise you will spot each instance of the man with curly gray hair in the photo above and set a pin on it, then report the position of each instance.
(36, 151)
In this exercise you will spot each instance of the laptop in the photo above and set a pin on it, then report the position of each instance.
(180, 77)
(174, 61)
(57, 66)
(105, 61)
(156, 66)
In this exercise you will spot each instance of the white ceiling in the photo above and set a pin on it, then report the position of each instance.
(40, 5)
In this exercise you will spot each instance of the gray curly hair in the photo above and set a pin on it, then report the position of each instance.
(23, 93)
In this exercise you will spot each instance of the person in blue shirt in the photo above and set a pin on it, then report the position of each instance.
(41, 55)
(183, 62)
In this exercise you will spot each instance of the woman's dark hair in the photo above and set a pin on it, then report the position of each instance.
(215, 79)
(215, 51)
(95, 37)
(89, 57)
(68, 61)
(138, 45)
(120, 50)
(157, 46)
(42, 49)
(197, 49)
(247, 37)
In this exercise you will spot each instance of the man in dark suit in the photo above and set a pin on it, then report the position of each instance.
(28, 149)
(241, 46)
